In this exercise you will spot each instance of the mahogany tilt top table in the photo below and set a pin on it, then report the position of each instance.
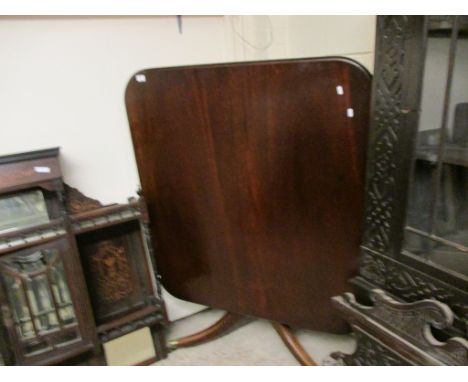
(254, 178)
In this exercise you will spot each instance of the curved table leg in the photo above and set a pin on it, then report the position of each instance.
(219, 328)
(291, 341)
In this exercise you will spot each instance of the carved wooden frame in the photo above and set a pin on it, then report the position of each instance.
(396, 92)
(394, 333)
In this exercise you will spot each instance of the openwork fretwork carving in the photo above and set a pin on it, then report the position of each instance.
(408, 324)
(393, 125)
(386, 124)
(390, 326)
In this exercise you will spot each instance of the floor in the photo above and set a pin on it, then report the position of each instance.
(255, 343)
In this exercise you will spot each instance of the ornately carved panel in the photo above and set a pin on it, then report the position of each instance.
(110, 272)
(408, 323)
(385, 126)
(408, 283)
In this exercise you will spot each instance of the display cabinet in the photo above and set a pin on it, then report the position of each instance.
(412, 288)
(46, 313)
(73, 273)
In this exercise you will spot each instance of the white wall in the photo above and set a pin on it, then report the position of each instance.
(271, 37)
(62, 80)
(62, 83)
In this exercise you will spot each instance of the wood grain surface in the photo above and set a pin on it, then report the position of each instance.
(254, 178)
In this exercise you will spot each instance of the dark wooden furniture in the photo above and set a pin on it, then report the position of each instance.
(117, 258)
(46, 314)
(73, 273)
(412, 286)
(294, 346)
(253, 175)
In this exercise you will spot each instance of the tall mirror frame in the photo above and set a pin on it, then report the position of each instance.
(401, 44)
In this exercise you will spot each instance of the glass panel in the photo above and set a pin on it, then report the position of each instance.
(22, 210)
(421, 194)
(451, 220)
(20, 311)
(40, 299)
(437, 218)
(62, 295)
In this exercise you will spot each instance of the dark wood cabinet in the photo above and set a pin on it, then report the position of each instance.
(412, 287)
(117, 258)
(73, 273)
(46, 314)
(42, 304)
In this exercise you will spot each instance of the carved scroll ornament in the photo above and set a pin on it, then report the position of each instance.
(410, 324)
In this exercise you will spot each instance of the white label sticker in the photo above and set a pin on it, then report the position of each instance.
(140, 78)
(339, 90)
(42, 169)
(350, 113)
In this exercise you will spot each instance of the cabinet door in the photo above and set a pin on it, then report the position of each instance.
(436, 230)
(44, 304)
(116, 271)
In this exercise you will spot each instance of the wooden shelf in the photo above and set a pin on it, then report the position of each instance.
(453, 154)
(104, 217)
